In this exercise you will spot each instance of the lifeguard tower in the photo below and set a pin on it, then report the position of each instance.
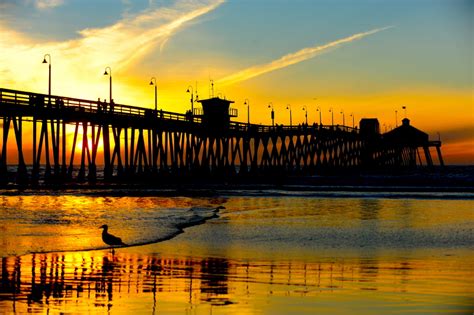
(216, 113)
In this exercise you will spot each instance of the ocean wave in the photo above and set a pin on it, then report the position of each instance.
(65, 232)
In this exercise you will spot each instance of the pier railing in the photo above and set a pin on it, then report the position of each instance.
(53, 102)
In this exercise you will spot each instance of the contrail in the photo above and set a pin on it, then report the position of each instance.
(291, 59)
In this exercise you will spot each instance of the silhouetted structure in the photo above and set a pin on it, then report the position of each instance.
(405, 140)
(398, 147)
(369, 127)
(216, 113)
(138, 141)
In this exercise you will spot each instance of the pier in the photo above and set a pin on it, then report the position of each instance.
(62, 139)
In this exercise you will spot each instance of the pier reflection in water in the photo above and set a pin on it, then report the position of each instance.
(98, 281)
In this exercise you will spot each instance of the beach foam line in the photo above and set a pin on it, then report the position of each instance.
(198, 216)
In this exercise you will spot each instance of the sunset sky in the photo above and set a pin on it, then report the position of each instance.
(366, 57)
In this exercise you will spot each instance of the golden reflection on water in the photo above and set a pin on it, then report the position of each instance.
(263, 255)
(131, 283)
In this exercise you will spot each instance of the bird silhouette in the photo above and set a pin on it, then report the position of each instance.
(215, 210)
(110, 239)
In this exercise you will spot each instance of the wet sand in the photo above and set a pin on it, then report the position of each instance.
(261, 255)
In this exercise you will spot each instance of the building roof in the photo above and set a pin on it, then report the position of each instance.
(215, 100)
(407, 135)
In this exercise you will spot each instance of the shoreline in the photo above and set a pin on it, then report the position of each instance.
(451, 179)
(297, 188)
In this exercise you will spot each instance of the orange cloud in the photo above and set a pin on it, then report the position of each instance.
(459, 152)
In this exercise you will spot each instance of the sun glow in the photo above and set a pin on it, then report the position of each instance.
(160, 31)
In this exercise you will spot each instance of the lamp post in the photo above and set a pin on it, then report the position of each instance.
(49, 72)
(405, 110)
(272, 114)
(332, 116)
(396, 118)
(353, 124)
(343, 118)
(190, 90)
(247, 102)
(156, 94)
(320, 115)
(211, 90)
(317, 109)
(109, 73)
(305, 108)
(291, 118)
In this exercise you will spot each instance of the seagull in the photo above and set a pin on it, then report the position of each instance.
(110, 239)
(214, 210)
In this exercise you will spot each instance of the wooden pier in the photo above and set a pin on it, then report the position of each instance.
(60, 139)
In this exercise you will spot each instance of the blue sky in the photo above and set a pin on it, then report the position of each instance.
(424, 61)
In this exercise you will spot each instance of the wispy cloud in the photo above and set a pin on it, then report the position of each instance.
(292, 58)
(119, 46)
(459, 134)
(48, 4)
(131, 38)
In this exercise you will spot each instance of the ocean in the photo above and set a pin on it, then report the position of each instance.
(270, 251)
